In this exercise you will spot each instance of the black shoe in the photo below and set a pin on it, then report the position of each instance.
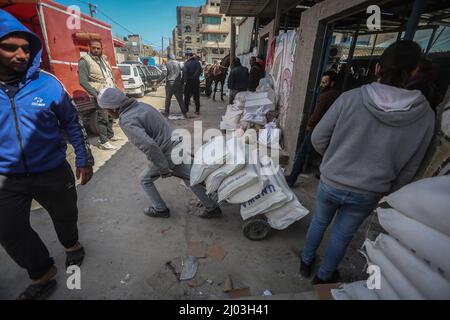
(334, 278)
(75, 257)
(305, 268)
(216, 213)
(153, 213)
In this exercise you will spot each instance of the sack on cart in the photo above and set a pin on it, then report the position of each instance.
(209, 157)
(273, 196)
(241, 186)
(235, 162)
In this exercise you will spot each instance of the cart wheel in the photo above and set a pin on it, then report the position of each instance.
(256, 228)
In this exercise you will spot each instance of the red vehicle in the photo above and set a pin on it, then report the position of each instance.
(64, 44)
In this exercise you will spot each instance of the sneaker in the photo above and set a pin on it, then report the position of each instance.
(106, 146)
(197, 113)
(216, 213)
(305, 268)
(115, 138)
(153, 213)
(334, 278)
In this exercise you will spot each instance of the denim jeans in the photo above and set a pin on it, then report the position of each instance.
(182, 171)
(300, 158)
(351, 209)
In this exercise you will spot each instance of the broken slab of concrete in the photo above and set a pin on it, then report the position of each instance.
(190, 266)
(197, 249)
(228, 285)
(217, 252)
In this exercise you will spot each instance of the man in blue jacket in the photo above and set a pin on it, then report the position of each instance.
(34, 110)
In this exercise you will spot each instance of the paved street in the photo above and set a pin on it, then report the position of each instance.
(127, 252)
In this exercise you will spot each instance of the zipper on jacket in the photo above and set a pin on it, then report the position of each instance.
(19, 136)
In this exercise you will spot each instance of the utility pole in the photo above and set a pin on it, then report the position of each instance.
(162, 50)
(92, 9)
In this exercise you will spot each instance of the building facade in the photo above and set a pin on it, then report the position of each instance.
(186, 35)
(215, 32)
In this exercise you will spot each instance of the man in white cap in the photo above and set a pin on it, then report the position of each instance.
(148, 130)
(174, 85)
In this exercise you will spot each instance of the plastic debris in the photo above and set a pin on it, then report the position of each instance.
(189, 270)
(267, 292)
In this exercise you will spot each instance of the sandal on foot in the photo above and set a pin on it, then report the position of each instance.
(75, 257)
(38, 291)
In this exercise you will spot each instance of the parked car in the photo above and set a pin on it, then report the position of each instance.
(163, 68)
(134, 83)
(157, 75)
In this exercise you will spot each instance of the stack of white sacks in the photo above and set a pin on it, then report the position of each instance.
(414, 259)
(228, 168)
(250, 107)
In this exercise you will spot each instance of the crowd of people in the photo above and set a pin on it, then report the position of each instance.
(372, 140)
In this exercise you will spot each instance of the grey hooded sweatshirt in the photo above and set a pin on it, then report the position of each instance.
(144, 126)
(374, 138)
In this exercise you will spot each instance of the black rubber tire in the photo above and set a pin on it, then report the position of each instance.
(257, 228)
(142, 93)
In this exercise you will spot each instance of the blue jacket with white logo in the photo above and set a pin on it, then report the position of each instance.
(32, 121)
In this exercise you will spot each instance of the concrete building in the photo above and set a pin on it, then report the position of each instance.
(186, 35)
(134, 45)
(215, 31)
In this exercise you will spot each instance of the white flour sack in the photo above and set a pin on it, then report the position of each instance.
(354, 291)
(270, 136)
(232, 116)
(427, 201)
(235, 162)
(214, 180)
(427, 243)
(273, 196)
(284, 216)
(209, 157)
(246, 181)
(399, 282)
(386, 292)
(428, 282)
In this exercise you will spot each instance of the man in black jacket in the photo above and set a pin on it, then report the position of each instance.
(256, 74)
(237, 80)
(192, 70)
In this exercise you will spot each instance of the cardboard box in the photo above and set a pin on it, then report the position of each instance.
(324, 290)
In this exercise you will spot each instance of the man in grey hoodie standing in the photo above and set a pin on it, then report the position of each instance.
(373, 140)
(148, 130)
(174, 85)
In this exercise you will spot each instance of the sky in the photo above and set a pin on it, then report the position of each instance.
(152, 19)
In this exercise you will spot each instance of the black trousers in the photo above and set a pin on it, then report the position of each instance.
(55, 191)
(174, 88)
(192, 88)
(104, 125)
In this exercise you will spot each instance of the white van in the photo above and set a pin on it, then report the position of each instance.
(132, 80)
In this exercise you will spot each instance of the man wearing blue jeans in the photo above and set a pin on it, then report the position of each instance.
(373, 140)
(148, 130)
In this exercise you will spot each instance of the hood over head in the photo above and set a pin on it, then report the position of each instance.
(8, 25)
(394, 106)
(113, 98)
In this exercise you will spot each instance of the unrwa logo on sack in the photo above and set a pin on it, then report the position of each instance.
(270, 188)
